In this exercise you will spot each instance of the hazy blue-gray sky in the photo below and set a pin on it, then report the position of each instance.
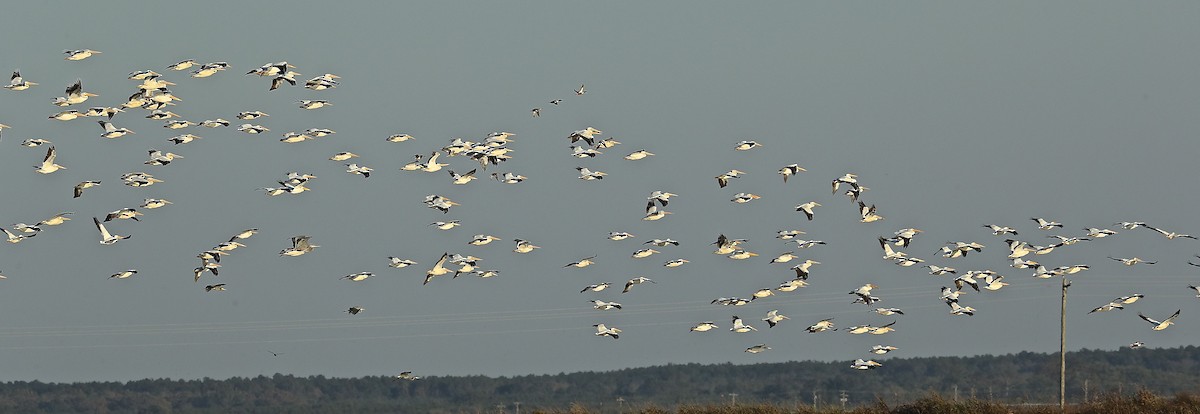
(954, 114)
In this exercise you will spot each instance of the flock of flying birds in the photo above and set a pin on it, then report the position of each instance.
(155, 100)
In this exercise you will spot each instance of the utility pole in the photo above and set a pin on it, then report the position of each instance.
(732, 399)
(1085, 391)
(1062, 349)
(843, 398)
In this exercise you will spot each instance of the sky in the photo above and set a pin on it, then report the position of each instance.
(954, 115)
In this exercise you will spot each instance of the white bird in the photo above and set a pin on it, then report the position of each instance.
(582, 263)
(703, 327)
(788, 234)
(524, 246)
(868, 213)
(446, 225)
(18, 83)
(602, 305)
(123, 214)
(588, 135)
(1099, 233)
(675, 262)
(68, 115)
(580, 91)
(183, 65)
(741, 255)
(1137, 344)
(111, 131)
(807, 208)
(791, 285)
(643, 253)
(313, 104)
(253, 129)
(804, 244)
(508, 178)
(15, 238)
(358, 277)
(123, 274)
(342, 156)
(636, 281)
(619, 235)
(602, 330)
(1044, 224)
(758, 348)
(784, 258)
(596, 287)
(1131, 261)
(80, 54)
(956, 309)
(882, 349)
(460, 179)
(107, 238)
(743, 198)
(35, 142)
(399, 138)
(300, 245)
(662, 242)
(48, 166)
(589, 175)
(861, 364)
(773, 318)
(653, 212)
(438, 269)
(723, 179)
(398, 263)
(790, 170)
(1130, 225)
(364, 171)
(1170, 235)
(741, 327)
(482, 239)
(1158, 326)
(57, 219)
(159, 158)
(746, 145)
(821, 326)
(83, 186)
(639, 154)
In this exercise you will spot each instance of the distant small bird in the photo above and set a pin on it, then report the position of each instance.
(1158, 326)
(536, 112)
(746, 145)
(790, 170)
(704, 327)
(80, 54)
(124, 274)
(758, 348)
(355, 310)
(773, 318)
(217, 287)
(636, 281)
(602, 330)
(807, 208)
(1044, 224)
(83, 186)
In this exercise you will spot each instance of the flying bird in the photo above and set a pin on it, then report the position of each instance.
(1158, 326)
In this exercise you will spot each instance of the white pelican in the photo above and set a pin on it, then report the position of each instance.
(111, 131)
(438, 269)
(746, 145)
(602, 305)
(364, 171)
(741, 327)
(124, 274)
(107, 238)
(407, 376)
(183, 65)
(357, 277)
(80, 54)
(741, 255)
(123, 214)
(791, 285)
(508, 178)
(300, 246)
(758, 348)
(804, 244)
(821, 326)
(1099, 233)
(602, 330)
(432, 165)
(773, 318)
(904, 236)
(34, 142)
(723, 179)
(868, 213)
(882, 349)
(807, 208)
(790, 170)
(889, 254)
(556, 101)
(524, 246)
(743, 198)
(888, 311)
(67, 115)
(398, 263)
(178, 124)
(1195, 288)
(482, 239)
(399, 138)
(251, 115)
(1130, 225)
(662, 197)
(581, 263)
(1018, 248)
(253, 129)
(589, 175)
(784, 258)
(461, 179)
(1170, 235)
(1137, 344)
(75, 95)
(788, 234)
(57, 219)
(48, 166)
(15, 238)
(580, 91)
(1130, 299)
(219, 287)
(994, 283)
(1044, 224)
(639, 154)
(588, 135)
(675, 263)
(653, 212)
(446, 225)
(636, 281)
(1107, 307)
(313, 104)
(703, 327)
(439, 203)
(596, 287)
(83, 186)
(643, 253)
(662, 242)
(159, 158)
(342, 156)
(619, 235)
(289, 77)
(939, 270)
(1067, 241)
(861, 364)
(1158, 326)
(18, 83)
(1131, 261)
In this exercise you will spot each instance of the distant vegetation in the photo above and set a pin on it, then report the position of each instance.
(1123, 381)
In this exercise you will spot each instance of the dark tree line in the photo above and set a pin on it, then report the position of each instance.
(1013, 378)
